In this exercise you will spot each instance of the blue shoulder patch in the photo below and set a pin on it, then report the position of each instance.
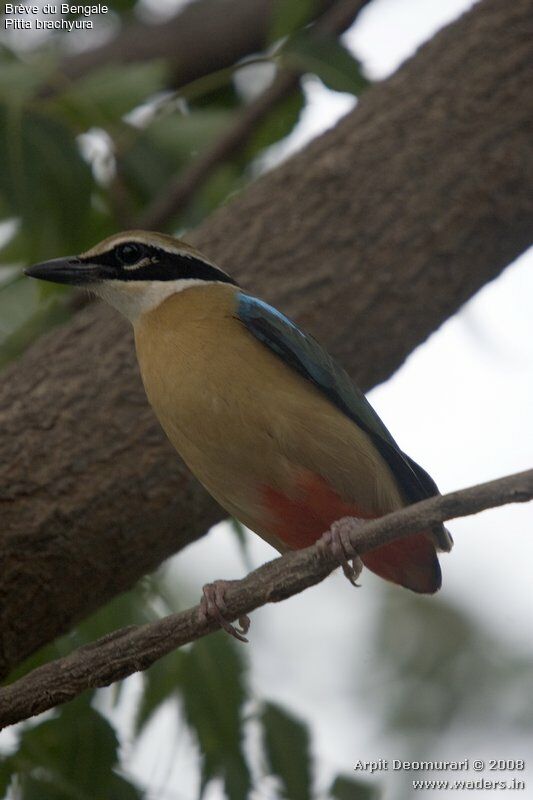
(305, 355)
(280, 334)
(249, 306)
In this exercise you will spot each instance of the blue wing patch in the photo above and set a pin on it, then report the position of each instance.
(307, 357)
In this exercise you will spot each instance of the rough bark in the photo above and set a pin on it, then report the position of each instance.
(371, 237)
(128, 650)
(205, 36)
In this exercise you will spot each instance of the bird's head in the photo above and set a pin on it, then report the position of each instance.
(133, 271)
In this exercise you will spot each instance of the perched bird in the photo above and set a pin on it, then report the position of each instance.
(274, 429)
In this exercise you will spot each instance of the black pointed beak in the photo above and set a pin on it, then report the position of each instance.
(70, 270)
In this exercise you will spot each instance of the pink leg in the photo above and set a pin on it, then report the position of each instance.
(213, 607)
(336, 541)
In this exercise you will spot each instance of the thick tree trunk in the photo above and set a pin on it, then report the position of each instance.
(371, 237)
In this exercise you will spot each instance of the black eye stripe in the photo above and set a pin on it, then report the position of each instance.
(155, 264)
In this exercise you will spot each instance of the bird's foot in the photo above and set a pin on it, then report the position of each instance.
(213, 608)
(336, 542)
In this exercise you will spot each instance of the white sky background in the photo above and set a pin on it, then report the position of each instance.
(461, 406)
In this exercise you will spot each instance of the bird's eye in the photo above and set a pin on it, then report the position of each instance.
(129, 254)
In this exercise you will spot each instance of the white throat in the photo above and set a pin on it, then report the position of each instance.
(135, 298)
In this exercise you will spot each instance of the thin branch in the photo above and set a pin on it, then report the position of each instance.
(180, 189)
(201, 38)
(135, 648)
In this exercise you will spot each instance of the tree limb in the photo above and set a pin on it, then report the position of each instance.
(203, 37)
(180, 190)
(371, 237)
(128, 650)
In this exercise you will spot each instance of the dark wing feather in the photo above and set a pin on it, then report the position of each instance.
(307, 357)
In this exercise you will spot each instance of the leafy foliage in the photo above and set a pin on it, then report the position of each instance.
(73, 755)
(428, 656)
(104, 96)
(212, 683)
(165, 148)
(43, 166)
(278, 124)
(289, 16)
(325, 57)
(344, 788)
(287, 750)
(161, 684)
(65, 194)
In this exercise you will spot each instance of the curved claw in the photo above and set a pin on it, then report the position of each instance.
(213, 607)
(336, 541)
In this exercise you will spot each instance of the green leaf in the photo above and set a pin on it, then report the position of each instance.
(278, 124)
(43, 180)
(228, 178)
(49, 786)
(289, 15)
(224, 96)
(183, 135)
(19, 298)
(122, 789)
(213, 688)
(72, 755)
(78, 730)
(7, 768)
(165, 147)
(161, 683)
(19, 81)
(38, 322)
(107, 94)
(26, 311)
(345, 788)
(45, 787)
(327, 58)
(287, 748)
(14, 251)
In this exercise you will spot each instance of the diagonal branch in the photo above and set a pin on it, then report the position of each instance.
(135, 648)
(203, 37)
(181, 188)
